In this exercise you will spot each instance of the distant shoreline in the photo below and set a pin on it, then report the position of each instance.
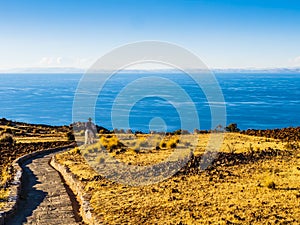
(55, 70)
(8, 122)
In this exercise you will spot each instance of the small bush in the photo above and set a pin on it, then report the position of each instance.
(111, 143)
(178, 132)
(271, 185)
(231, 148)
(163, 145)
(136, 150)
(172, 144)
(7, 138)
(291, 146)
(250, 149)
(101, 160)
(8, 131)
(75, 151)
(70, 136)
(232, 128)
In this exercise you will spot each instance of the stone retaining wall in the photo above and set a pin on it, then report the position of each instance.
(86, 211)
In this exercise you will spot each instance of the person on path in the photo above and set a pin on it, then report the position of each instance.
(90, 132)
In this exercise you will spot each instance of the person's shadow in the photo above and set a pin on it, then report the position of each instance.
(30, 197)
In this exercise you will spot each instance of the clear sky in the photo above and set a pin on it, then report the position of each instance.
(223, 33)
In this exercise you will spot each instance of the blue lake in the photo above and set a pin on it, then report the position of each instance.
(259, 101)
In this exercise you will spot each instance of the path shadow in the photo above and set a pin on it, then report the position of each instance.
(30, 197)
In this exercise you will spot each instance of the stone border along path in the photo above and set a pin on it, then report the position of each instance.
(43, 197)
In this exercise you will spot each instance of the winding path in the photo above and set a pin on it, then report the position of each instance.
(45, 199)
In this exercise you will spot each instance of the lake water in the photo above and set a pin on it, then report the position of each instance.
(258, 101)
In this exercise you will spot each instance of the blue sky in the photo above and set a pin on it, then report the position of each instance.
(223, 33)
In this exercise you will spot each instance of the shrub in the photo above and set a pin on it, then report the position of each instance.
(172, 143)
(178, 132)
(8, 131)
(75, 151)
(7, 138)
(101, 160)
(70, 136)
(251, 150)
(231, 148)
(111, 143)
(232, 128)
(101, 131)
(271, 185)
(163, 145)
(291, 146)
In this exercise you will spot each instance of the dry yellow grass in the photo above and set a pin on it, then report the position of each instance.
(4, 193)
(236, 194)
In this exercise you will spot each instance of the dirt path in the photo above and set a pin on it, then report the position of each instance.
(44, 197)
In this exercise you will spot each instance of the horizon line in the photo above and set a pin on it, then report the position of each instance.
(65, 70)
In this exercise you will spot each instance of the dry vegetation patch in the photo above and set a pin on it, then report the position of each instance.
(263, 189)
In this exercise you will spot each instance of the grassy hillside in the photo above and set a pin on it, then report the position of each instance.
(254, 180)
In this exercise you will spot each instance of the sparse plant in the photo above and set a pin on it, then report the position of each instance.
(70, 136)
(291, 146)
(271, 184)
(7, 138)
(231, 148)
(172, 143)
(178, 132)
(232, 128)
(111, 142)
(250, 149)
(75, 151)
(101, 160)
(163, 144)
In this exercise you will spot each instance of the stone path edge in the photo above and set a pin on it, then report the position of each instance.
(86, 210)
(16, 185)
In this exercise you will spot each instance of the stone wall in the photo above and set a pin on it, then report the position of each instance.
(86, 211)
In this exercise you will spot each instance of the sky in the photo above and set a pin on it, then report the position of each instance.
(222, 33)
